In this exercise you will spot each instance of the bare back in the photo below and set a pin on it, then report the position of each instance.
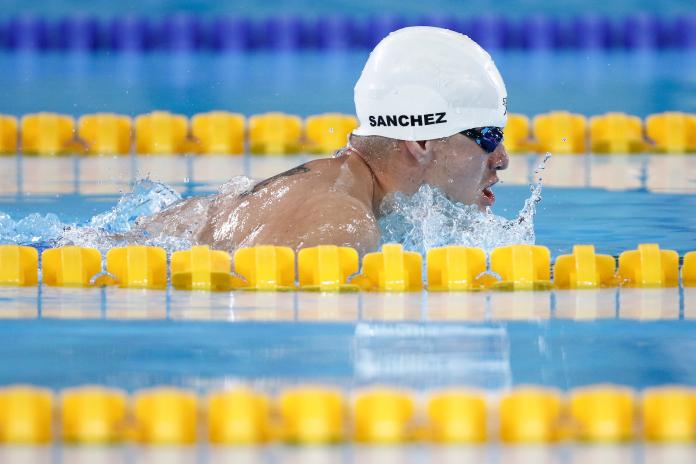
(327, 201)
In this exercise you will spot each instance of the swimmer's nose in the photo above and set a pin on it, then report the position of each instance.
(499, 158)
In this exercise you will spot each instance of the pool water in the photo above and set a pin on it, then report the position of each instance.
(422, 341)
(312, 82)
(59, 337)
(614, 202)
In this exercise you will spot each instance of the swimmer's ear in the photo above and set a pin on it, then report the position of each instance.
(421, 150)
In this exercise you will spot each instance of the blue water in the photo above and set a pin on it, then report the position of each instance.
(139, 354)
(613, 221)
(132, 338)
(312, 82)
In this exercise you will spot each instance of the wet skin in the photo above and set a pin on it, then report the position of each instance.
(464, 171)
(335, 200)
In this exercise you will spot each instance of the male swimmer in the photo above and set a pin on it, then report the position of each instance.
(431, 106)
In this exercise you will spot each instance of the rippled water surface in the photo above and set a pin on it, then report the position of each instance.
(310, 82)
(136, 338)
(612, 202)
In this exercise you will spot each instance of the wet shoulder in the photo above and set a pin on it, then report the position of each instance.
(316, 172)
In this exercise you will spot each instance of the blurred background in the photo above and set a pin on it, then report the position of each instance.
(303, 57)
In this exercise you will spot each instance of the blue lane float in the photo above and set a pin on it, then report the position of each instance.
(490, 31)
(284, 33)
(644, 30)
(590, 31)
(451, 22)
(230, 33)
(685, 31)
(541, 32)
(79, 33)
(130, 33)
(379, 26)
(27, 32)
(185, 31)
(337, 32)
(180, 32)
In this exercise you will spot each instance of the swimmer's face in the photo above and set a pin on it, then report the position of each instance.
(464, 171)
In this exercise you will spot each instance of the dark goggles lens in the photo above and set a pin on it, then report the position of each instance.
(487, 138)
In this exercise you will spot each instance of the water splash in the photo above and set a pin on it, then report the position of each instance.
(428, 219)
(147, 198)
(33, 230)
(102, 231)
(421, 221)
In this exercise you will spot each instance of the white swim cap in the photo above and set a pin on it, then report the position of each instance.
(423, 83)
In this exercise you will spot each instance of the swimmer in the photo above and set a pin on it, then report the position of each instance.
(431, 106)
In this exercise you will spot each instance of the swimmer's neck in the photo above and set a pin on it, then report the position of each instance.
(362, 162)
(389, 173)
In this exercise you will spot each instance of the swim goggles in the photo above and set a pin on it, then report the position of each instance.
(487, 138)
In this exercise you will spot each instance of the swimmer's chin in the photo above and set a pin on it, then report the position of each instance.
(483, 202)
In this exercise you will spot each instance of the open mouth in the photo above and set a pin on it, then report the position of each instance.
(488, 196)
